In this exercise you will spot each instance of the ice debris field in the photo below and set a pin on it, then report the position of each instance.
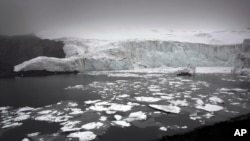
(144, 100)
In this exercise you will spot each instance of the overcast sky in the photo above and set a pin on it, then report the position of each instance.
(27, 16)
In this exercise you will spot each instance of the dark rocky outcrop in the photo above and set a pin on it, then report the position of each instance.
(223, 131)
(17, 49)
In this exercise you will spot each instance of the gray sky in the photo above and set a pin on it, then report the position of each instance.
(26, 16)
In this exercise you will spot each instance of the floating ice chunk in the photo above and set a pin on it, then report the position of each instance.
(216, 99)
(110, 112)
(210, 107)
(33, 134)
(25, 139)
(76, 111)
(91, 101)
(117, 117)
(121, 123)
(103, 118)
(10, 125)
(123, 96)
(4, 108)
(72, 104)
(198, 101)
(208, 115)
(92, 125)
(179, 102)
(22, 117)
(163, 129)
(78, 87)
(167, 97)
(70, 126)
(147, 99)
(45, 112)
(98, 108)
(83, 136)
(136, 116)
(174, 82)
(166, 108)
(120, 107)
(233, 90)
(133, 104)
(25, 109)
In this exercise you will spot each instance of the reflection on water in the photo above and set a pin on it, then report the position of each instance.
(129, 106)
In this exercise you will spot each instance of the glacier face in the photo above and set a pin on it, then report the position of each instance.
(93, 55)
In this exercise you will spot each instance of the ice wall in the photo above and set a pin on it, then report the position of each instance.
(88, 55)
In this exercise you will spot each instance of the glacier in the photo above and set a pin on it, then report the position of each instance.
(142, 50)
(98, 55)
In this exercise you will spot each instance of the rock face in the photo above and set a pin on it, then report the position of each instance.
(17, 49)
(94, 55)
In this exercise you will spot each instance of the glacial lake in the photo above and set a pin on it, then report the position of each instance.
(117, 106)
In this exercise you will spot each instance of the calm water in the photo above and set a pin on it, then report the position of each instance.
(55, 93)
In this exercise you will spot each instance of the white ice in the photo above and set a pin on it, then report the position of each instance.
(83, 136)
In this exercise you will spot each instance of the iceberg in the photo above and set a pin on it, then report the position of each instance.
(166, 108)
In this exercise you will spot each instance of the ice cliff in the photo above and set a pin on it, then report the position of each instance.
(90, 55)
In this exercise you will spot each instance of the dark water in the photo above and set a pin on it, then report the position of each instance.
(42, 91)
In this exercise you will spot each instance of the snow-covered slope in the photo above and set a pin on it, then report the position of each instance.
(217, 37)
(91, 55)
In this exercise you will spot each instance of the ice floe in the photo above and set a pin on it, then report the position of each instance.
(216, 99)
(92, 125)
(33, 134)
(83, 136)
(77, 87)
(25, 139)
(166, 108)
(121, 123)
(163, 129)
(70, 126)
(147, 99)
(136, 116)
(92, 101)
(210, 107)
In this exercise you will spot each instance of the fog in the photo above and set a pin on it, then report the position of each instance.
(32, 16)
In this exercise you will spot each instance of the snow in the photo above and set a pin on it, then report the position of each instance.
(147, 99)
(223, 36)
(121, 123)
(166, 108)
(83, 136)
(210, 107)
(92, 125)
